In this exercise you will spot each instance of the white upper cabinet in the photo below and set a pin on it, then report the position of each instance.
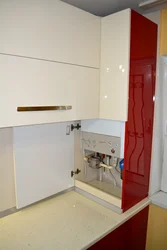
(30, 82)
(50, 30)
(114, 71)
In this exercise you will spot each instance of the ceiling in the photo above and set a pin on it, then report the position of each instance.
(105, 7)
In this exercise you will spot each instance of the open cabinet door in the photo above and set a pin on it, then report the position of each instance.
(44, 159)
(139, 127)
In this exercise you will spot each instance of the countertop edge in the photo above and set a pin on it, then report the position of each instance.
(123, 218)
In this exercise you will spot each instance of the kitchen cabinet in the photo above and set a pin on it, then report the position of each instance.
(51, 30)
(29, 82)
(127, 89)
(139, 125)
(127, 93)
(114, 67)
(131, 235)
(43, 156)
(156, 233)
(117, 52)
(163, 34)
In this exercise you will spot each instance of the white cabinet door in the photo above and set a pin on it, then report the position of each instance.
(29, 82)
(114, 71)
(50, 30)
(44, 159)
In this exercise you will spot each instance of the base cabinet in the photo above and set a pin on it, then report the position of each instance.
(129, 236)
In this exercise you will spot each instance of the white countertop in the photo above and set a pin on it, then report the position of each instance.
(160, 199)
(66, 222)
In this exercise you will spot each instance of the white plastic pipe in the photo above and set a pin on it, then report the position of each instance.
(85, 159)
(105, 166)
(101, 164)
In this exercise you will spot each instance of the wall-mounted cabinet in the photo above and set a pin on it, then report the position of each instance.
(50, 55)
(123, 42)
(114, 68)
(29, 82)
(53, 31)
(163, 34)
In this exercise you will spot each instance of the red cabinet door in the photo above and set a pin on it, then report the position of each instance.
(139, 127)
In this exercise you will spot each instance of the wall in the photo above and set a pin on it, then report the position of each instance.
(157, 147)
(164, 165)
(7, 188)
(157, 229)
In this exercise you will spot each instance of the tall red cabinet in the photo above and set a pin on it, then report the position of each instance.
(139, 125)
(128, 72)
(127, 93)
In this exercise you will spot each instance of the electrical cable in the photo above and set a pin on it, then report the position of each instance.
(113, 177)
(117, 169)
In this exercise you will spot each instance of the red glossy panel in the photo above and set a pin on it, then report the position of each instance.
(129, 236)
(143, 37)
(139, 127)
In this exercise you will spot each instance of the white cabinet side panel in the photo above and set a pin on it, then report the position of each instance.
(50, 30)
(100, 126)
(44, 159)
(164, 165)
(29, 82)
(164, 170)
(7, 188)
(114, 71)
(157, 145)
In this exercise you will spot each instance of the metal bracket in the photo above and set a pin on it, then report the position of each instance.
(75, 127)
(75, 172)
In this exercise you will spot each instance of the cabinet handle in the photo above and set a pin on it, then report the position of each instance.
(42, 108)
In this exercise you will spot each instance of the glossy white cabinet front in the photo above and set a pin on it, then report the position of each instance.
(29, 82)
(114, 71)
(50, 30)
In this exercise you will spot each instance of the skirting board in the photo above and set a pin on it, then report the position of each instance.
(8, 212)
(14, 209)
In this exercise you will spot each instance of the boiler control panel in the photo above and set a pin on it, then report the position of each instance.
(105, 144)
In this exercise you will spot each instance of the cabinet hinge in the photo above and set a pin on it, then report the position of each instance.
(75, 172)
(75, 127)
